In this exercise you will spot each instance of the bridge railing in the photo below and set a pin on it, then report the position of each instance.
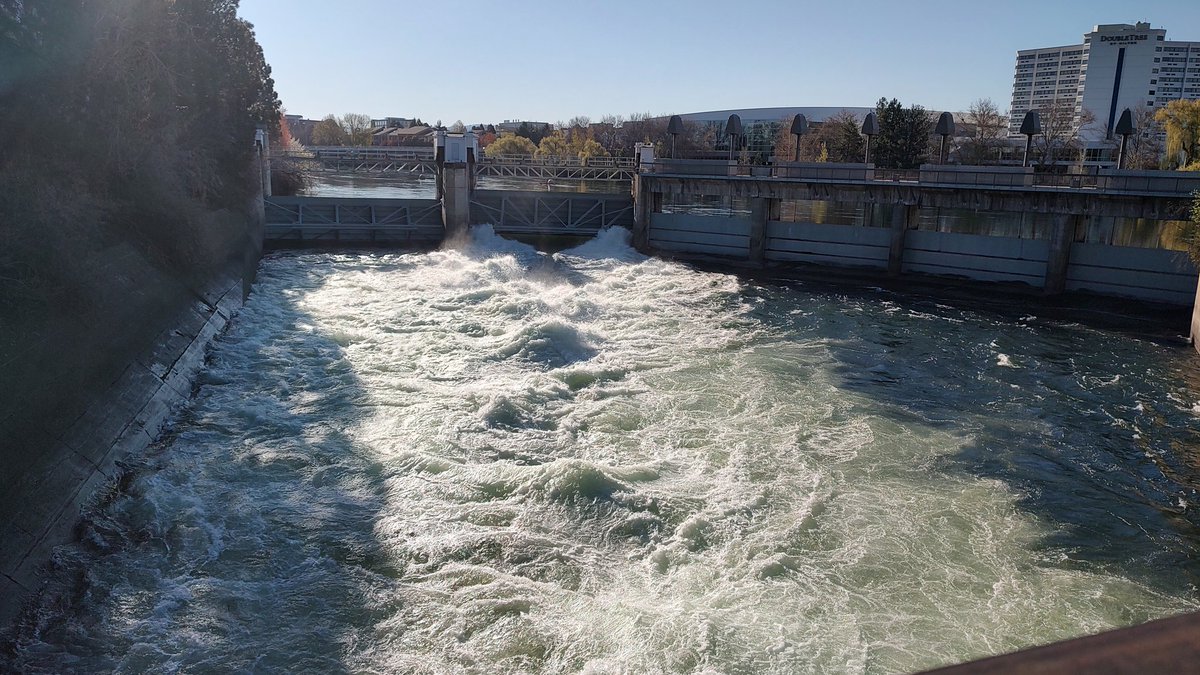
(518, 211)
(370, 153)
(567, 161)
(1107, 181)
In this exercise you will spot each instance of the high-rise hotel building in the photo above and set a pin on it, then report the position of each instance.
(1118, 66)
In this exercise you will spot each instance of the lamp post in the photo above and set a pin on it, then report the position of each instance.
(733, 129)
(945, 129)
(870, 127)
(1124, 128)
(799, 128)
(1030, 127)
(674, 128)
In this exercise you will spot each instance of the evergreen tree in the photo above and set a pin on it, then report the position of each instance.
(904, 133)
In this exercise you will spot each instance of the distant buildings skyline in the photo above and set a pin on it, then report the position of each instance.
(1117, 66)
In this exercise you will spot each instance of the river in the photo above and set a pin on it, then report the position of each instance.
(490, 459)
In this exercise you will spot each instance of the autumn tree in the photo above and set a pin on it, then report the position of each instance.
(511, 145)
(1181, 120)
(589, 148)
(329, 132)
(129, 174)
(986, 130)
(358, 128)
(554, 145)
(837, 139)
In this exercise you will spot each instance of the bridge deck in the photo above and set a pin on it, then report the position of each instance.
(295, 220)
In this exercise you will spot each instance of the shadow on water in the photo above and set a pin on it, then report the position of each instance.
(1092, 431)
(244, 540)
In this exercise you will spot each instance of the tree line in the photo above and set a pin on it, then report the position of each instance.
(129, 120)
(906, 137)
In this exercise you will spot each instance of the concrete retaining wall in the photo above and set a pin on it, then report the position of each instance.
(1146, 273)
(53, 472)
(840, 245)
(976, 256)
(688, 233)
(92, 376)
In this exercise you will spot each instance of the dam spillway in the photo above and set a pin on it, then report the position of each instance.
(492, 459)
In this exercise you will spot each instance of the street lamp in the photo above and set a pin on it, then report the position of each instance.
(674, 128)
(945, 129)
(1124, 129)
(870, 128)
(1030, 126)
(733, 129)
(799, 128)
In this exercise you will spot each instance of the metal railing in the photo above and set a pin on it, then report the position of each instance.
(597, 162)
(1107, 181)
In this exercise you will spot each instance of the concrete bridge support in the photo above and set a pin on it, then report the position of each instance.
(456, 198)
(903, 215)
(1060, 253)
(455, 158)
(645, 203)
(762, 211)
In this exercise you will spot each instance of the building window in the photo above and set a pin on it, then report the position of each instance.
(1151, 93)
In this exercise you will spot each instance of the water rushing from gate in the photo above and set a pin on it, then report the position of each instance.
(490, 459)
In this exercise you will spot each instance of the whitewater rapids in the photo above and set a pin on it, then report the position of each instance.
(491, 459)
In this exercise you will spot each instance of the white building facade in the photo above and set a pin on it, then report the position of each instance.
(1117, 66)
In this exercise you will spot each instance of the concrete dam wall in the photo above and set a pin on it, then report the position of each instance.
(85, 387)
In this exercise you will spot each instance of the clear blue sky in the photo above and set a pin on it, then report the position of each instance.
(550, 61)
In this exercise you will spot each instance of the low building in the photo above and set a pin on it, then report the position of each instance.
(301, 129)
(402, 136)
(513, 126)
(393, 122)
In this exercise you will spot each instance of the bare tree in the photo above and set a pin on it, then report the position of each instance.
(1059, 140)
(985, 131)
(1145, 148)
(358, 128)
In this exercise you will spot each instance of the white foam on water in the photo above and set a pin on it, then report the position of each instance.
(490, 459)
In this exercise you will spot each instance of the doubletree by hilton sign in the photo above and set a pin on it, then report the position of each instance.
(1124, 39)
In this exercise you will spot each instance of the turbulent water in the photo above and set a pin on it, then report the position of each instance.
(489, 459)
(408, 186)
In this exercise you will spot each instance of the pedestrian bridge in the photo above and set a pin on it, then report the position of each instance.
(420, 160)
(294, 221)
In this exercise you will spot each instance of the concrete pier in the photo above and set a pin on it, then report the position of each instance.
(456, 199)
